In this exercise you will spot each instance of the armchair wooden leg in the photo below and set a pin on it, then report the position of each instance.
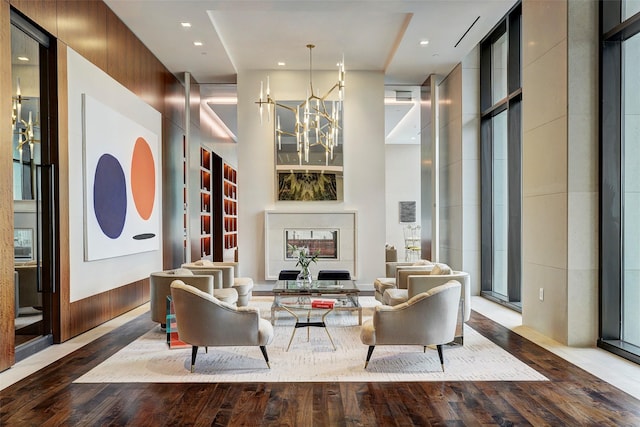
(371, 347)
(263, 349)
(194, 353)
(439, 347)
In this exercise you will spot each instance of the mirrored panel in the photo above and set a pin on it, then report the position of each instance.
(309, 165)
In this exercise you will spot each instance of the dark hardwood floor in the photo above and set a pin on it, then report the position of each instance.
(572, 396)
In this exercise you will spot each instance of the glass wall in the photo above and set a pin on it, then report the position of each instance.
(631, 192)
(499, 68)
(620, 179)
(32, 144)
(500, 158)
(500, 180)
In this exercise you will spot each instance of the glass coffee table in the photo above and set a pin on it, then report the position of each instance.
(343, 293)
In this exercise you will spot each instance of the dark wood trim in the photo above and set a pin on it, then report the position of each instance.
(97, 309)
(62, 294)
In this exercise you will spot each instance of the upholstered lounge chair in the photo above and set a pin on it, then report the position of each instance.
(203, 320)
(160, 284)
(381, 284)
(428, 318)
(416, 282)
(230, 279)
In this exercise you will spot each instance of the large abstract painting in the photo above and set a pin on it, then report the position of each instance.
(299, 185)
(121, 209)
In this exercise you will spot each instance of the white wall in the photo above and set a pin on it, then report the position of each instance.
(402, 183)
(92, 278)
(364, 165)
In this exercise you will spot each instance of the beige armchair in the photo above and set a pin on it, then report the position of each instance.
(160, 284)
(418, 282)
(197, 312)
(229, 274)
(431, 316)
(391, 281)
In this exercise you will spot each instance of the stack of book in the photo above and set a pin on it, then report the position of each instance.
(318, 303)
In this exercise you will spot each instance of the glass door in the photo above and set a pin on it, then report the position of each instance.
(32, 188)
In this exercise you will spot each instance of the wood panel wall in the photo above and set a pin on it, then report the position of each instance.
(7, 292)
(93, 30)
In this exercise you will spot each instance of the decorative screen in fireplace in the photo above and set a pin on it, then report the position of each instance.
(324, 242)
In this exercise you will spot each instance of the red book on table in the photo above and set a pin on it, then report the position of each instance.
(321, 304)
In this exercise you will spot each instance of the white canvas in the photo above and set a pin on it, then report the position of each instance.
(107, 134)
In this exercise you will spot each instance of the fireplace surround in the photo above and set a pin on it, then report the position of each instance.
(335, 232)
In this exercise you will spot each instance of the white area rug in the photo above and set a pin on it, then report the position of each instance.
(148, 359)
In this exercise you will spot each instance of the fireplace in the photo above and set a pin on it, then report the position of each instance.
(320, 242)
(330, 234)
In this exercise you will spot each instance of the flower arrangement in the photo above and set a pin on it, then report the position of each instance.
(305, 258)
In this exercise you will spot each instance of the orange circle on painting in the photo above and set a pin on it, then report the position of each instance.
(143, 178)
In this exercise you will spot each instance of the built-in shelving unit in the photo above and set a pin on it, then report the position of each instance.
(230, 200)
(206, 236)
(226, 211)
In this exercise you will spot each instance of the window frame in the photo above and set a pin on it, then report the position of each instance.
(511, 25)
(613, 32)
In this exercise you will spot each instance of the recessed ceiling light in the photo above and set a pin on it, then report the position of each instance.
(424, 42)
(22, 58)
(186, 24)
(281, 63)
(197, 43)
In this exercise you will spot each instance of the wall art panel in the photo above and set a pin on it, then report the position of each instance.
(121, 208)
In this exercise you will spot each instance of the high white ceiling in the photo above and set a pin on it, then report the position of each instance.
(379, 35)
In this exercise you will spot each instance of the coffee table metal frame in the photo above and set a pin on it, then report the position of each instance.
(308, 323)
(344, 292)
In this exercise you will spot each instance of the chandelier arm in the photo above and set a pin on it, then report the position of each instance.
(315, 124)
(335, 86)
(284, 132)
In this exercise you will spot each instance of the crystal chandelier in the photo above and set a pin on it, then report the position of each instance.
(317, 119)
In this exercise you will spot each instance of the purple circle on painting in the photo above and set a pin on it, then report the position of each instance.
(110, 196)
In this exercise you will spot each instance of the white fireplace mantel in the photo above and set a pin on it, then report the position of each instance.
(276, 222)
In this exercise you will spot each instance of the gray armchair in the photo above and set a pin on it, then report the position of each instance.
(228, 279)
(160, 284)
(428, 318)
(198, 312)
